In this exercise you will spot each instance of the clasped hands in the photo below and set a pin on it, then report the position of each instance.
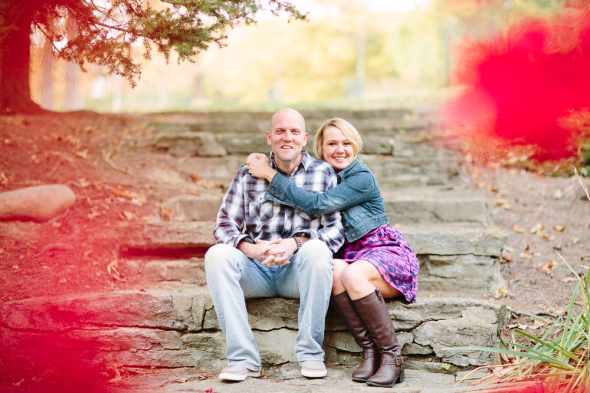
(272, 253)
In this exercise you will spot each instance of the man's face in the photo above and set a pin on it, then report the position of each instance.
(287, 137)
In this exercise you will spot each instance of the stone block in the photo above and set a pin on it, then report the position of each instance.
(244, 143)
(189, 271)
(194, 208)
(166, 235)
(202, 144)
(454, 239)
(473, 274)
(476, 327)
(130, 309)
(276, 346)
(264, 314)
(213, 167)
(411, 207)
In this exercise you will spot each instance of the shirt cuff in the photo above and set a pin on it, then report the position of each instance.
(241, 237)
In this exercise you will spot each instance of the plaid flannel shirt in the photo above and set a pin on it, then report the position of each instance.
(246, 215)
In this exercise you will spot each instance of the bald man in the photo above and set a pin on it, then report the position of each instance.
(267, 249)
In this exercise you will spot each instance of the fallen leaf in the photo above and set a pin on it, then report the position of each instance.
(517, 278)
(7, 246)
(128, 215)
(559, 228)
(194, 192)
(527, 248)
(504, 204)
(525, 255)
(547, 266)
(501, 292)
(557, 194)
(112, 269)
(569, 279)
(82, 154)
(15, 267)
(537, 228)
(506, 258)
(518, 229)
(62, 281)
(56, 224)
(94, 214)
(84, 183)
(87, 253)
(575, 240)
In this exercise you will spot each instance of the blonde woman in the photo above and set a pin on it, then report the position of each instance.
(375, 263)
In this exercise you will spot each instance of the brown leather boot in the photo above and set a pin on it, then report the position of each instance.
(375, 317)
(370, 360)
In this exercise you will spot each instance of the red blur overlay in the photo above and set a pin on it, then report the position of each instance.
(524, 86)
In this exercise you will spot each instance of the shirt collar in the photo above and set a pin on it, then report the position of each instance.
(305, 161)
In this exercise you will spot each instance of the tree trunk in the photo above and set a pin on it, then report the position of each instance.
(15, 52)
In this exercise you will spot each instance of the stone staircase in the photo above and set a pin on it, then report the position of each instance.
(173, 323)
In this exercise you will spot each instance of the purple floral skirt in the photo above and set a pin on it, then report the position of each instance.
(388, 251)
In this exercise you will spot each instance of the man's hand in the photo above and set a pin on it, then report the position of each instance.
(255, 156)
(279, 254)
(259, 166)
(258, 251)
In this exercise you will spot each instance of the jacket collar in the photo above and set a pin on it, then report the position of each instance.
(343, 173)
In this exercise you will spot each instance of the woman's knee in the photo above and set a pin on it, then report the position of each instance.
(351, 276)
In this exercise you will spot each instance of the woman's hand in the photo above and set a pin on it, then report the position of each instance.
(260, 167)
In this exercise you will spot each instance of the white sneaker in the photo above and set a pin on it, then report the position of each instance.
(313, 369)
(237, 373)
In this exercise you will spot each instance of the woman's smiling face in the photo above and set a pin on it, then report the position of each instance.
(338, 150)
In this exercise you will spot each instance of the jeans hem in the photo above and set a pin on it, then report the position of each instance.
(249, 366)
(304, 358)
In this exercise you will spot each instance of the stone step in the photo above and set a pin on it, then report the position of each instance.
(403, 205)
(432, 239)
(219, 143)
(452, 255)
(180, 329)
(388, 170)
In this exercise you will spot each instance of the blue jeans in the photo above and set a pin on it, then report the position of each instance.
(232, 276)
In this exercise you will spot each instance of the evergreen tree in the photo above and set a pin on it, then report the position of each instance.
(106, 31)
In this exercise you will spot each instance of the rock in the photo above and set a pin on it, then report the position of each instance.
(194, 143)
(411, 208)
(194, 208)
(38, 203)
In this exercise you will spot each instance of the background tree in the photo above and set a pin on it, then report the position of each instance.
(106, 31)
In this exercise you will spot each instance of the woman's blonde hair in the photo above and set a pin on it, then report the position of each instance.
(347, 129)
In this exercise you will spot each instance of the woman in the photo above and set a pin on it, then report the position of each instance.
(375, 262)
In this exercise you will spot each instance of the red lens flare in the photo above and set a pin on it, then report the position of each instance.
(521, 85)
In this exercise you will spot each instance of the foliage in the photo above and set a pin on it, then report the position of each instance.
(107, 29)
(562, 363)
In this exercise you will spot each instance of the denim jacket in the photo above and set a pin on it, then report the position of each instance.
(357, 196)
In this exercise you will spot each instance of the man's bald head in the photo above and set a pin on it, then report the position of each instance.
(283, 112)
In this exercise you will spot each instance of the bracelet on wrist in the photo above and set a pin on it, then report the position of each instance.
(298, 242)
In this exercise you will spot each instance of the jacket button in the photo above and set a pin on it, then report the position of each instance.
(347, 225)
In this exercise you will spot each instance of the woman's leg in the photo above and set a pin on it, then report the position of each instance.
(344, 306)
(337, 286)
(367, 288)
(361, 278)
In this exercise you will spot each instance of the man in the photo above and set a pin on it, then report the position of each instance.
(280, 253)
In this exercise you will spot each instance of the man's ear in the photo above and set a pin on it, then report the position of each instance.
(305, 139)
(268, 134)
